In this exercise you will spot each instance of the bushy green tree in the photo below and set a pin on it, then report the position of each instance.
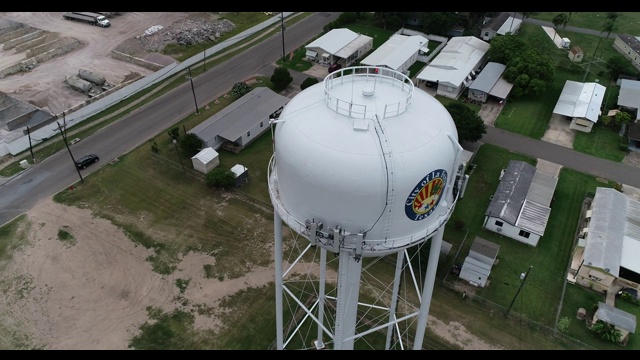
(469, 124)
(530, 72)
(308, 82)
(607, 331)
(504, 48)
(240, 89)
(281, 78)
(191, 144)
(220, 178)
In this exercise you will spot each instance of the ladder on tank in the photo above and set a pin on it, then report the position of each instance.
(388, 161)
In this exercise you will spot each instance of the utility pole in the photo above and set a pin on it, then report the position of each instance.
(284, 54)
(193, 91)
(523, 278)
(593, 59)
(67, 145)
(33, 158)
(175, 144)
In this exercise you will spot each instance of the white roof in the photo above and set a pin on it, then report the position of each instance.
(455, 61)
(613, 240)
(396, 51)
(206, 155)
(510, 26)
(333, 41)
(238, 169)
(580, 100)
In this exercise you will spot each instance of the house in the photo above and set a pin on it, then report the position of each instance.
(629, 97)
(338, 46)
(477, 265)
(490, 83)
(453, 68)
(581, 102)
(398, 53)
(623, 321)
(504, 23)
(606, 256)
(629, 47)
(519, 208)
(576, 54)
(205, 160)
(244, 120)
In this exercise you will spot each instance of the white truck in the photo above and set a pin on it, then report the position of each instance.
(91, 18)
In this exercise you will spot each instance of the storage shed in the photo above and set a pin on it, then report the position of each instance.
(206, 160)
(477, 266)
(241, 173)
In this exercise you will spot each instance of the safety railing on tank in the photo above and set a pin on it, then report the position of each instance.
(375, 75)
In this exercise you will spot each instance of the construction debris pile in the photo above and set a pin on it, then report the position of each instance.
(184, 32)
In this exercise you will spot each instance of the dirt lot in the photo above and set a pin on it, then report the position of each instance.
(43, 86)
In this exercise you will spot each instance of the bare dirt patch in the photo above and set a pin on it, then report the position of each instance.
(91, 291)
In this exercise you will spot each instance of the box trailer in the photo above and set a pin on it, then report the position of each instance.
(89, 18)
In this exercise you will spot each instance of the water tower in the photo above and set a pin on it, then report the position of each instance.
(365, 166)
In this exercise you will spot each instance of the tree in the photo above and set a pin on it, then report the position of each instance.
(530, 72)
(220, 178)
(438, 23)
(281, 78)
(191, 144)
(618, 65)
(609, 24)
(505, 48)
(240, 89)
(469, 124)
(558, 20)
(308, 82)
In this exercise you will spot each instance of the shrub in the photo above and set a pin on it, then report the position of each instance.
(220, 178)
(191, 144)
(281, 78)
(240, 89)
(308, 82)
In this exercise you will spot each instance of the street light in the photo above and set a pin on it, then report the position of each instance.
(175, 144)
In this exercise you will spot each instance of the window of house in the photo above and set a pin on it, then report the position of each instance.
(248, 133)
(486, 33)
(499, 223)
(261, 124)
(524, 234)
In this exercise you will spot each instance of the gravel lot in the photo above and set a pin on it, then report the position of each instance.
(43, 86)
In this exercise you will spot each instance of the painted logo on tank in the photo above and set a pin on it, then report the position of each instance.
(425, 196)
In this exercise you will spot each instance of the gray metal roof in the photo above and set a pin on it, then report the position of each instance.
(523, 197)
(512, 190)
(396, 51)
(603, 245)
(240, 116)
(488, 77)
(630, 94)
(631, 41)
(485, 247)
(616, 317)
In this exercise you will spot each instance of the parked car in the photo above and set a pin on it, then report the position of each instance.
(86, 160)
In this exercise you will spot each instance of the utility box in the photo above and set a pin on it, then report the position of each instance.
(565, 43)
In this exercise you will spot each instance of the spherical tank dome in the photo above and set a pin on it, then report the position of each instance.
(369, 154)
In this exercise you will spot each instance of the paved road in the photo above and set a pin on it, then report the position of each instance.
(568, 27)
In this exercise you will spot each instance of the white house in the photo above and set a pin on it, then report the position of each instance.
(242, 121)
(504, 23)
(581, 102)
(477, 265)
(609, 243)
(342, 46)
(519, 208)
(205, 160)
(453, 69)
(629, 47)
(398, 53)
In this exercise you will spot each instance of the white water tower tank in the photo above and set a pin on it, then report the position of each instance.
(366, 153)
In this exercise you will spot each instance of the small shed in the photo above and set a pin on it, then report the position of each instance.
(206, 160)
(623, 321)
(241, 173)
(477, 266)
(565, 42)
(576, 54)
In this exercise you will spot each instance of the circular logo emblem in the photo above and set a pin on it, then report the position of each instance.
(425, 195)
